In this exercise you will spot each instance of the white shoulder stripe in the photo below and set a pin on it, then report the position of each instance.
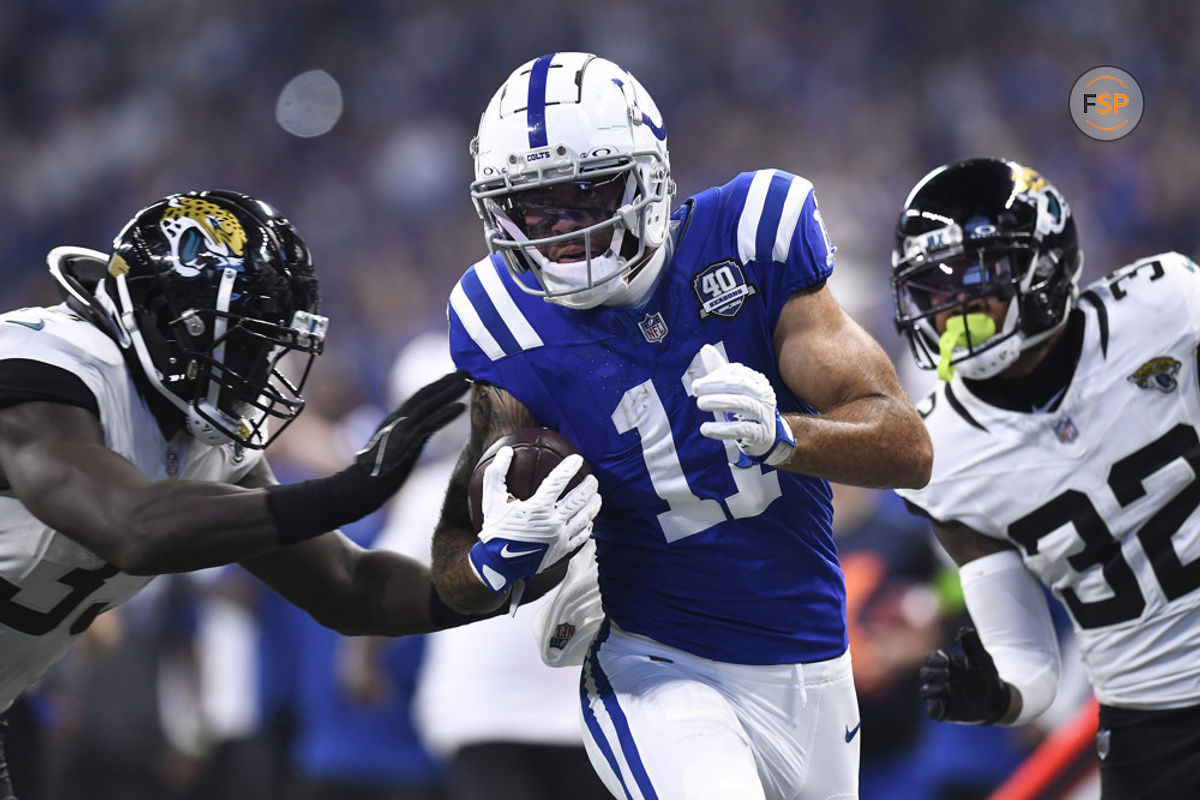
(473, 324)
(747, 230)
(520, 328)
(793, 204)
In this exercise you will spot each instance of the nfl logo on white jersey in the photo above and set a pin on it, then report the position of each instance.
(654, 328)
(1065, 430)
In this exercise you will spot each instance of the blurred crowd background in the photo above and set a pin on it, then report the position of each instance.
(353, 118)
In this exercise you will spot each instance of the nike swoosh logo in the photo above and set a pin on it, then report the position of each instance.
(852, 732)
(33, 326)
(506, 552)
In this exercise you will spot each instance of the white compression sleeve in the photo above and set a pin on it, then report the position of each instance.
(1010, 612)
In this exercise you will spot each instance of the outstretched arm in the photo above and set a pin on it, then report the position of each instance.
(359, 591)
(867, 432)
(55, 460)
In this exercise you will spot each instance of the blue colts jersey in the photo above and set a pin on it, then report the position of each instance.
(731, 564)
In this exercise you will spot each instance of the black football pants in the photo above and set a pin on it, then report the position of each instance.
(1149, 754)
(6, 790)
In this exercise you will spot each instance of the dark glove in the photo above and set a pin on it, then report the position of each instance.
(310, 508)
(963, 685)
(393, 449)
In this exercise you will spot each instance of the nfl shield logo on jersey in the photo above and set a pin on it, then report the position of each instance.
(654, 328)
(1065, 430)
(562, 635)
(722, 289)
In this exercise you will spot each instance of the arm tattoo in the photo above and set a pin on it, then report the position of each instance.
(964, 543)
(494, 413)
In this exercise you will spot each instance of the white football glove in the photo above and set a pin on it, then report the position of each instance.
(520, 538)
(744, 402)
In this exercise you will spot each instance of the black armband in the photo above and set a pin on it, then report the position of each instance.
(309, 508)
(443, 616)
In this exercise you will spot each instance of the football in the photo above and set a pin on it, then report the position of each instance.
(536, 451)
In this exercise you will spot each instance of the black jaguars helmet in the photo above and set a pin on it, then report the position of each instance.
(974, 230)
(208, 292)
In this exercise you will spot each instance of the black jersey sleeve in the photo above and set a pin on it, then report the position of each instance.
(23, 380)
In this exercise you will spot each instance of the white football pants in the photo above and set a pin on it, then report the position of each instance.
(662, 724)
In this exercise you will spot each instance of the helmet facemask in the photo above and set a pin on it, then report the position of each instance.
(968, 286)
(605, 212)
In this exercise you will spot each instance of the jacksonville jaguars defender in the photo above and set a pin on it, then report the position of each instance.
(133, 418)
(1065, 451)
(714, 385)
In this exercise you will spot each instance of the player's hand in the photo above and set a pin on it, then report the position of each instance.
(381, 467)
(520, 538)
(747, 415)
(963, 685)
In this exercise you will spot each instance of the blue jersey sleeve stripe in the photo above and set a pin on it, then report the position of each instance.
(789, 217)
(535, 107)
(752, 211)
(512, 316)
(768, 224)
(473, 325)
(488, 314)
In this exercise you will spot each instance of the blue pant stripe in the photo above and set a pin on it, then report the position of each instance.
(608, 697)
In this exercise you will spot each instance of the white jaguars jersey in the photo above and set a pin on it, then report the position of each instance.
(1100, 496)
(50, 587)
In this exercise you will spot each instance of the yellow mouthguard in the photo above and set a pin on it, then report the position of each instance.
(981, 327)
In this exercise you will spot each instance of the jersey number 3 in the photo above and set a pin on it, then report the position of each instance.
(1126, 480)
(642, 409)
(81, 582)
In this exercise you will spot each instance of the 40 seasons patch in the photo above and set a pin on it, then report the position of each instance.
(722, 289)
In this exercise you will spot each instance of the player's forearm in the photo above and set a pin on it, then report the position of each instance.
(875, 441)
(455, 580)
(187, 526)
(395, 596)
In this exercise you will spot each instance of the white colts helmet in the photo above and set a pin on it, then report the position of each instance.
(575, 117)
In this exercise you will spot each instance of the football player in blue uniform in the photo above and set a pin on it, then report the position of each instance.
(1065, 453)
(714, 386)
(133, 418)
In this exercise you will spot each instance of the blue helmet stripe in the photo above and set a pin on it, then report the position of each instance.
(535, 108)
